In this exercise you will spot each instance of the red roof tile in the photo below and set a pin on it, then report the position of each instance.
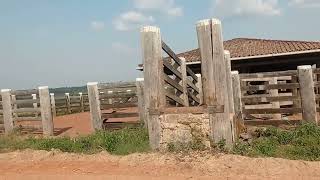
(244, 47)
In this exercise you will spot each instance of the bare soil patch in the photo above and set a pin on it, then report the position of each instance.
(29, 164)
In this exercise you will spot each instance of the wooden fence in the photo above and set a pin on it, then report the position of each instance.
(26, 105)
(274, 98)
(109, 102)
(69, 103)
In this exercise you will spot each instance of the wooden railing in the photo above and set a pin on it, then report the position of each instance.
(279, 97)
(183, 86)
(71, 103)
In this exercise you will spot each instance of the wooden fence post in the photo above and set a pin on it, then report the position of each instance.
(7, 110)
(53, 105)
(35, 105)
(141, 103)
(153, 80)
(275, 93)
(68, 105)
(184, 85)
(308, 103)
(110, 100)
(236, 88)
(199, 86)
(46, 114)
(94, 102)
(214, 78)
(81, 102)
(15, 105)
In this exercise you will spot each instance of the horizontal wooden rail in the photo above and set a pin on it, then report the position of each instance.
(269, 74)
(116, 85)
(119, 115)
(108, 96)
(124, 105)
(26, 110)
(25, 92)
(27, 119)
(272, 122)
(262, 99)
(26, 101)
(272, 111)
(270, 86)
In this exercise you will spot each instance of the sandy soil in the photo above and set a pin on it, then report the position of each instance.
(31, 164)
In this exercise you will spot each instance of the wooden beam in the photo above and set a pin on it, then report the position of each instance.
(95, 110)
(45, 108)
(308, 103)
(141, 101)
(7, 110)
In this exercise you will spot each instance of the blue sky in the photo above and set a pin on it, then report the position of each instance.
(71, 42)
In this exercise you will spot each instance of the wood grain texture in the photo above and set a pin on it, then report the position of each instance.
(46, 114)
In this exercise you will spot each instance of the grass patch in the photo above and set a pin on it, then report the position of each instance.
(300, 143)
(120, 142)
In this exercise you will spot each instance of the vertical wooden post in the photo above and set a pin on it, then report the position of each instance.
(183, 69)
(275, 93)
(236, 88)
(81, 102)
(214, 78)
(199, 86)
(7, 110)
(68, 105)
(308, 103)
(153, 80)
(53, 105)
(141, 103)
(110, 100)
(35, 104)
(94, 102)
(46, 114)
(15, 105)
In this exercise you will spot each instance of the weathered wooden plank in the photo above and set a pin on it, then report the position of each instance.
(172, 69)
(26, 101)
(25, 92)
(7, 110)
(153, 79)
(27, 119)
(172, 83)
(272, 122)
(26, 110)
(174, 98)
(108, 96)
(269, 74)
(308, 103)
(46, 113)
(193, 97)
(116, 85)
(110, 106)
(184, 82)
(272, 111)
(119, 115)
(265, 99)
(270, 86)
(95, 110)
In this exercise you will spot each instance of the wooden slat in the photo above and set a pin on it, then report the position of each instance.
(193, 86)
(317, 84)
(27, 119)
(26, 101)
(257, 99)
(108, 96)
(167, 49)
(174, 97)
(119, 115)
(172, 82)
(316, 71)
(25, 92)
(125, 105)
(272, 122)
(269, 74)
(193, 97)
(116, 85)
(172, 69)
(270, 86)
(272, 111)
(26, 110)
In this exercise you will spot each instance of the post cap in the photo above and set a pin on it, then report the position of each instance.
(150, 29)
(43, 87)
(235, 72)
(139, 79)
(92, 83)
(304, 67)
(5, 90)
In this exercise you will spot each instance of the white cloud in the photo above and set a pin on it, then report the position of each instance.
(305, 3)
(97, 25)
(131, 20)
(168, 7)
(227, 8)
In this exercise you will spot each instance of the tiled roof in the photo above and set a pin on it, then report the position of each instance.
(244, 47)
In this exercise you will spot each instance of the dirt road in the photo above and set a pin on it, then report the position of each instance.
(31, 164)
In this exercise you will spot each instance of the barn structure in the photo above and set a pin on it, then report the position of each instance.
(261, 55)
